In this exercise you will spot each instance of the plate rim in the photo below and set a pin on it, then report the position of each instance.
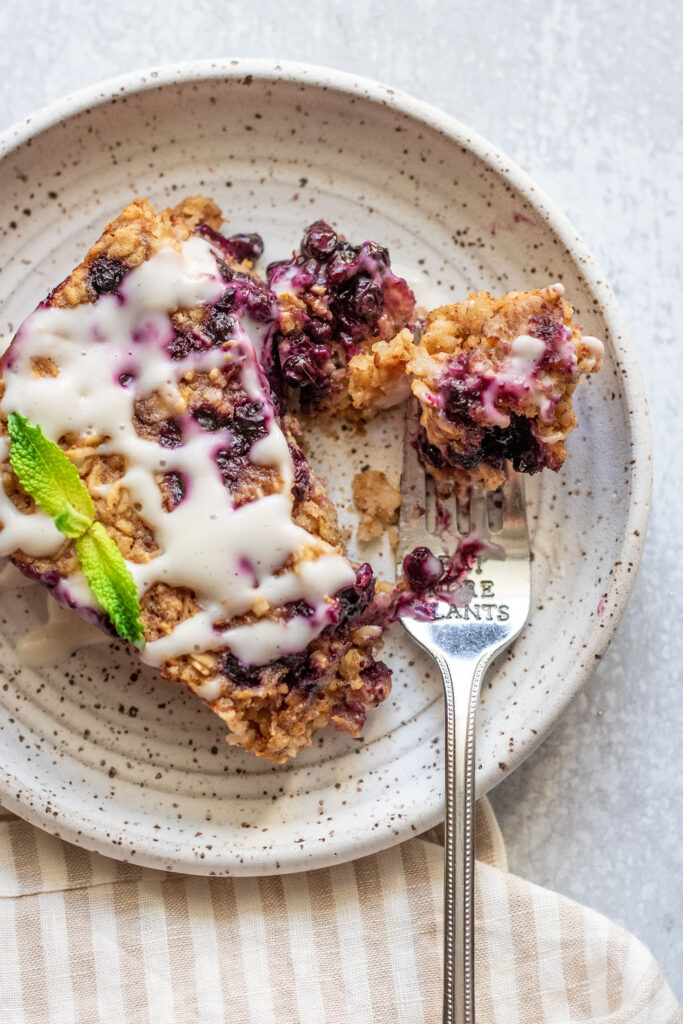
(99, 94)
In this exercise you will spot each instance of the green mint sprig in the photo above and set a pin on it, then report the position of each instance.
(52, 480)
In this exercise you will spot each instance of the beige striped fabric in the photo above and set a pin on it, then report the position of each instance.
(84, 939)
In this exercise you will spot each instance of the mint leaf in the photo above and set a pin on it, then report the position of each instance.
(52, 480)
(111, 582)
(49, 476)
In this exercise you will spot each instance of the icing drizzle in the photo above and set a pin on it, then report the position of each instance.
(236, 560)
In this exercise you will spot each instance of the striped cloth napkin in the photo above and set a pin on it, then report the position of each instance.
(85, 939)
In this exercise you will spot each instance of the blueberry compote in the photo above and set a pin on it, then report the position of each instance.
(244, 297)
(492, 445)
(349, 293)
(306, 673)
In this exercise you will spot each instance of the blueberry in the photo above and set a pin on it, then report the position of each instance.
(170, 435)
(300, 673)
(233, 468)
(422, 569)
(125, 379)
(250, 418)
(517, 443)
(105, 275)
(226, 272)
(429, 452)
(319, 241)
(244, 246)
(461, 395)
(239, 674)
(367, 299)
(298, 370)
(302, 477)
(259, 301)
(220, 325)
(207, 418)
(182, 344)
(174, 486)
(376, 252)
(340, 266)
(320, 331)
(227, 301)
(239, 443)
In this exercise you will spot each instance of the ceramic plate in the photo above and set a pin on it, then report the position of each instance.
(103, 753)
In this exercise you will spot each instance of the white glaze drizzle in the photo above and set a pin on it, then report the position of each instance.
(205, 540)
(596, 350)
(520, 369)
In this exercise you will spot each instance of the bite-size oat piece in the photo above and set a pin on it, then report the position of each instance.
(144, 367)
(495, 379)
(377, 500)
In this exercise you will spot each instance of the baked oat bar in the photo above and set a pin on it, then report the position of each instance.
(144, 365)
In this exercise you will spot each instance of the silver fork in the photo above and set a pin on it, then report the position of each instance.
(463, 640)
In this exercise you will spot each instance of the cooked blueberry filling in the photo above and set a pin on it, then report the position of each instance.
(354, 600)
(232, 468)
(516, 443)
(346, 289)
(49, 579)
(183, 343)
(302, 477)
(220, 325)
(170, 434)
(298, 671)
(105, 275)
(429, 452)
(239, 674)
(239, 247)
(299, 608)
(461, 392)
(376, 682)
(207, 417)
(173, 490)
(492, 445)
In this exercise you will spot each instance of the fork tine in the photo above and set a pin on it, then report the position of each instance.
(514, 531)
(479, 521)
(413, 491)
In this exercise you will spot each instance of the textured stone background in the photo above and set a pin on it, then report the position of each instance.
(587, 97)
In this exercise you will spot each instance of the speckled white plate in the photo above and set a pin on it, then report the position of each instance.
(99, 750)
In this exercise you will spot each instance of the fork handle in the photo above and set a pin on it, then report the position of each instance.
(462, 681)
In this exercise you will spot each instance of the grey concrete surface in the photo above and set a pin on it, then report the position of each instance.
(587, 97)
